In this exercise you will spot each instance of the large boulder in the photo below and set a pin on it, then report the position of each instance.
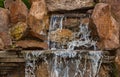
(55, 5)
(38, 9)
(37, 19)
(107, 27)
(4, 22)
(18, 10)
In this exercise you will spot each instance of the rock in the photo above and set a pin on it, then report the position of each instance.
(71, 22)
(31, 44)
(107, 27)
(38, 9)
(4, 22)
(44, 72)
(31, 1)
(18, 10)
(37, 19)
(29, 34)
(39, 26)
(56, 5)
(109, 1)
(117, 59)
(18, 30)
(61, 36)
(1, 44)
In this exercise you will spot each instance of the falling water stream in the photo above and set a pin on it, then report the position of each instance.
(67, 62)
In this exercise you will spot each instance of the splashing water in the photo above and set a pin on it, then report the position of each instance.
(54, 25)
(66, 63)
(84, 39)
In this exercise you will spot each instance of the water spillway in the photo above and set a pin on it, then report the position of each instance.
(63, 63)
(63, 60)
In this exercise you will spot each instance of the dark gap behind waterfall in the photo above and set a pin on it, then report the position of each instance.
(49, 38)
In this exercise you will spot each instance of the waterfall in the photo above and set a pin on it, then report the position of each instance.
(55, 23)
(67, 62)
(83, 34)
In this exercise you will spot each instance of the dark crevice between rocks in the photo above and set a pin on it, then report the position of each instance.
(83, 10)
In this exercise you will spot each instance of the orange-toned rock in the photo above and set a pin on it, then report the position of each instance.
(4, 22)
(38, 9)
(31, 44)
(42, 70)
(37, 19)
(61, 36)
(107, 27)
(18, 10)
(38, 26)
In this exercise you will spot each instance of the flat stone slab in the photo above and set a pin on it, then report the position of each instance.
(56, 5)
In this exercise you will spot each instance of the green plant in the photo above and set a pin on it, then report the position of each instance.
(1, 3)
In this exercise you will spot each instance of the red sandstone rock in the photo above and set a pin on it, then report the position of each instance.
(18, 10)
(107, 27)
(31, 44)
(4, 22)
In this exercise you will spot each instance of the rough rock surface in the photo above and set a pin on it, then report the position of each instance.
(38, 26)
(38, 9)
(107, 27)
(4, 22)
(61, 36)
(109, 1)
(31, 44)
(17, 31)
(37, 19)
(1, 44)
(18, 10)
(55, 5)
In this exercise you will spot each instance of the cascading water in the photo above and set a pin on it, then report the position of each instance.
(54, 25)
(67, 62)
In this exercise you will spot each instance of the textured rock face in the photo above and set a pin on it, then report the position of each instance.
(37, 20)
(107, 27)
(55, 5)
(17, 31)
(117, 60)
(1, 44)
(18, 10)
(38, 9)
(4, 22)
(109, 1)
(31, 44)
(62, 36)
